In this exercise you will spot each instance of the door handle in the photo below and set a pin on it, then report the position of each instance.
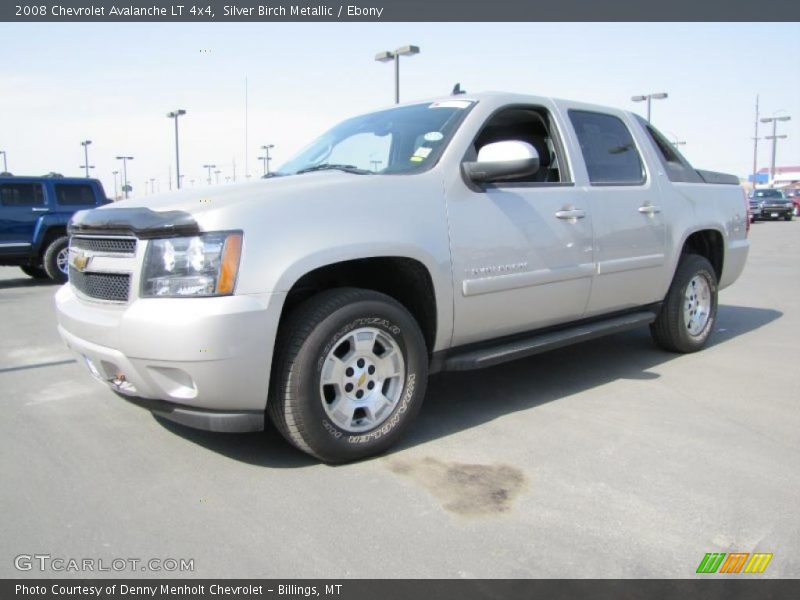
(39, 210)
(649, 209)
(573, 213)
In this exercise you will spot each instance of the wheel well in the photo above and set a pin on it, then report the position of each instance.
(404, 279)
(707, 243)
(52, 233)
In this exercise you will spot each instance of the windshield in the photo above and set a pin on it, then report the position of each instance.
(399, 140)
(769, 194)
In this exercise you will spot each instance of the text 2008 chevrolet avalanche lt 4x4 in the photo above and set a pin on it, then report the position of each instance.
(444, 235)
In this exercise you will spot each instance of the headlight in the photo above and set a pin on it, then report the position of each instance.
(204, 265)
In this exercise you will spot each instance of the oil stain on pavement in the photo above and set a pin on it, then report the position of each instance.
(465, 489)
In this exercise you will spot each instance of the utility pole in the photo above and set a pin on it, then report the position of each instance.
(755, 148)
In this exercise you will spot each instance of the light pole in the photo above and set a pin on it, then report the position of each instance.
(216, 174)
(755, 149)
(174, 115)
(395, 56)
(152, 186)
(209, 167)
(649, 98)
(5, 163)
(125, 187)
(375, 164)
(774, 137)
(266, 158)
(85, 144)
(114, 173)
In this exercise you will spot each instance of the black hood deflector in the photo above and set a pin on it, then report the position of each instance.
(141, 222)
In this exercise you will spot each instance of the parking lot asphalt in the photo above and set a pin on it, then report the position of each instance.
(607, 459)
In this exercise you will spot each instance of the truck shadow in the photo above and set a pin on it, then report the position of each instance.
(26, 282)
(459, 401)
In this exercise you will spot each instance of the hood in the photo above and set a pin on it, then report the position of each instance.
(206, 208)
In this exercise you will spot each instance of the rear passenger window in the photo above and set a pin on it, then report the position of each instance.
(21, 194)
(74, 195)
(608, 149)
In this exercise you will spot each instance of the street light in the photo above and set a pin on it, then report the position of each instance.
(209, 167)
(267, 158)
(152, 185)
(216, 173)
(125, 187)
(174, 115)
(5, 163)
(774, 137)
(114, 173)
(649, 98)
(395, 56)
(85, 165)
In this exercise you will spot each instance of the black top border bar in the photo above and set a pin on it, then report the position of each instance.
(229, 11)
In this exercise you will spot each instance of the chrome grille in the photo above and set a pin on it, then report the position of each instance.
(105, 245)
(114, 287)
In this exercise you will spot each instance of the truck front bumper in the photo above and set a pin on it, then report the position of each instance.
(202, 362)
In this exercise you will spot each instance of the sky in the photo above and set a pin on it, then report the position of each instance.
(114, 83)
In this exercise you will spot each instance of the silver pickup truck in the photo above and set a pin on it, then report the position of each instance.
(449, 234)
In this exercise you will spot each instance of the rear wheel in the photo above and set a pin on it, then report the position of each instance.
(56, 259)
(351, 375)
(689, 311)
(35, 272)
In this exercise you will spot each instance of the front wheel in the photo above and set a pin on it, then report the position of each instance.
(350, 375)
(689, 311)
(56, 259)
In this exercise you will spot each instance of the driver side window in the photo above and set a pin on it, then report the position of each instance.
(534, 126)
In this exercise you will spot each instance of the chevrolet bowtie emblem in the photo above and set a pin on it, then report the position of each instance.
(80, 261)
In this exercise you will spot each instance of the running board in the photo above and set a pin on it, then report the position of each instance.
(480, 358)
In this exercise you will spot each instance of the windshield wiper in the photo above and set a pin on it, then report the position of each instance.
(326, 166)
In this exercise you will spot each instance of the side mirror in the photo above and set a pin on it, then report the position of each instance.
(503, 160)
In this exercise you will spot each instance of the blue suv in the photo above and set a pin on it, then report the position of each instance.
(34, 212)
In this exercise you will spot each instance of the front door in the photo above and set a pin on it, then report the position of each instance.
(522, 251)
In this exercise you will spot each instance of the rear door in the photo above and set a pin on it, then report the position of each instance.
(627, 212)
(21, 205)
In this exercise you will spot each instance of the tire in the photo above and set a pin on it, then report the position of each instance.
(788, 217)
(55, 259)
(310, 402)
(35, 272)
(684, 327)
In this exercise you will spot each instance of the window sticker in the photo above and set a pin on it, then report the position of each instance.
(423, 152)
(433, 136)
